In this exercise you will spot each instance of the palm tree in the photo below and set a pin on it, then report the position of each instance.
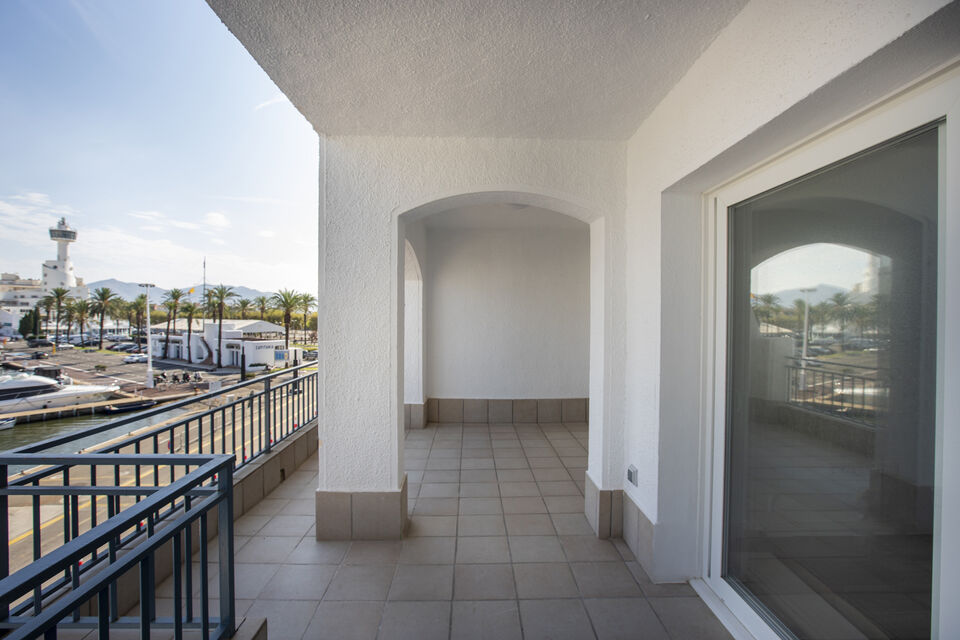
(220, 295)
(69, 312)
(287, 301)
(58, 300)
(189, 309)
(47, 303)
(242, 305)
(103, 301)
(261, 303)
(307, 302)
(139, 308)
(81, 309)
(172, 303)
(840, 310)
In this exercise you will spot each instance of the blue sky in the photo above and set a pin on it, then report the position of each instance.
(160, 139)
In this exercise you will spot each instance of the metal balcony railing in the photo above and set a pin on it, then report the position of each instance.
(76, 584)
(861, 398)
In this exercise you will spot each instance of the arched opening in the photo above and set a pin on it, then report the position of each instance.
(512, 341)
(413, 399)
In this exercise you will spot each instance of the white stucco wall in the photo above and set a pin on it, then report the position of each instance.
(412, 327)
(366, 183)
(760, 65)
(509, 313)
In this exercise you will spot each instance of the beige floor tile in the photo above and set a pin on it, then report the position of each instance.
(483, 550)
(362, 582)
(490, 525)
(537, 524)
(588, 549)
(415, 620)
(616, 618)
(479, 490)
(604, 580)
(298, 582)
(285, 618)
(422, 582)
(483, 582)
(428, 550)
(486, 620)
(480, 506)
(524, 505)
(688, 618)
(545, 580)
(345, 621)
(519, 489)
(555, 620)
(432, 526)
(536, 549)
(373, 552)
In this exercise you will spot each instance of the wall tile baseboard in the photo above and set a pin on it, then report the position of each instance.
(498, 411)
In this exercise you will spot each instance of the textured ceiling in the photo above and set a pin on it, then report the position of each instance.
(587, 69)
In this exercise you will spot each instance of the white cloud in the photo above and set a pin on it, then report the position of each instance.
(216, 219)
(274, 100)
(152, 228)
(34, 199)
(219, 241)
(184, 225)
(267, 233)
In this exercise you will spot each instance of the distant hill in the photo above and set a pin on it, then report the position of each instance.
(824, 292)
(130, 290)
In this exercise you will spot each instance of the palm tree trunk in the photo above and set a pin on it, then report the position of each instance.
(166, 339)
(175, 325)
(286, 331)
(220, 336)
(100, 347)
(189, 336)
(56, 328)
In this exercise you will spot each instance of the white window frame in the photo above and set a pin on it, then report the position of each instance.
(936, 98)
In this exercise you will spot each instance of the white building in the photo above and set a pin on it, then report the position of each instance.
(20, 295)
(526, 204)
(260, 341)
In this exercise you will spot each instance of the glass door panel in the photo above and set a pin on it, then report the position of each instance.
(830, 396)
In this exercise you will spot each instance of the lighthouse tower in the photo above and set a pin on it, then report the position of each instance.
(59, 272)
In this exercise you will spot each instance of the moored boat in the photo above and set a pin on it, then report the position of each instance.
(112, 409)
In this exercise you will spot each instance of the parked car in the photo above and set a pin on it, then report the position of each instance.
(309, 355)
(62, 346)
(39, 342)
(40, 355)
(134, 358)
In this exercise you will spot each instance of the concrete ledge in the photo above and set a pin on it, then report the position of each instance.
(603, 509)
(373, 515)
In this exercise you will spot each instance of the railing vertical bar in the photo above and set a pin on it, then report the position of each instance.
(37, 532)
(225, 539)
(204, 588)
(177, 586)
(145, 587)
(156, 468)
(103, 614)
(188, 560)
(4, 536)
(233, 430)
(112, 556)
(75, 532)
(268, 417)
(150, 602)
(200, 434)
(93, 507)
(243, 430)
(66, 519)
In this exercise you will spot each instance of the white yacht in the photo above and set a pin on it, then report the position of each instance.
(26, 391)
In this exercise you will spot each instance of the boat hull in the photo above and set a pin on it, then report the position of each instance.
(66, 397)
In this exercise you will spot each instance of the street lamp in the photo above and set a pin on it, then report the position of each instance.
(803, 351)
(148, 286)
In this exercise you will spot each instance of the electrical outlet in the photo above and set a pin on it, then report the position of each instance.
(632, 475)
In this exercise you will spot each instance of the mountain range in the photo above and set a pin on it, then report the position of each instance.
(130, 290)
(822, 293)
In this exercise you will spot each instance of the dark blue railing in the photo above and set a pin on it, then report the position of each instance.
(57, 588)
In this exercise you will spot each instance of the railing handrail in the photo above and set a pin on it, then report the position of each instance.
(42, 445)
(47, 566)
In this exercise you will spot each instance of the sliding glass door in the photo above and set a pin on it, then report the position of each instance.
(831, 396)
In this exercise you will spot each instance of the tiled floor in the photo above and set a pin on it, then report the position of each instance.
(498, 548)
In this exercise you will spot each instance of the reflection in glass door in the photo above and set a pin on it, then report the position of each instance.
(830, 396)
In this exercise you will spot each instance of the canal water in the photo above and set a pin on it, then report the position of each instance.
(24, 434)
